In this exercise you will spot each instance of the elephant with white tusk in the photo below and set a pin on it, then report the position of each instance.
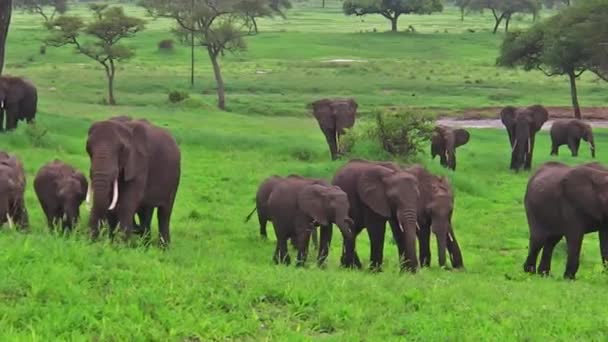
(570, 132)
(18, 101)
(444, 142)
(522, 124)
(334, 117)
(135, 168)
(12, 188)
(60, 189)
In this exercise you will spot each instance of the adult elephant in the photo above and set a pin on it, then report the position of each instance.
(522, 125)
(570, 132)
(135, 168)
(435, 208)
(18, 101)
(378, 194)
(334, 117)
(444, 142)
(564, 201)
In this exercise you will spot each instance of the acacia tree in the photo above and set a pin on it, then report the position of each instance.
(504, 9)
(45, 8)
(565, 44)
(219, 26)
(6, 8)
(254, 9)
(98, 39)
(391, 9)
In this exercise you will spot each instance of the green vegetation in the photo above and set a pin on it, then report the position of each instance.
(217, 281)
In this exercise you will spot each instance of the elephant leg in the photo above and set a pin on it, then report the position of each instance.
(398, 240)
(453, 162)
(326, 233)
(574, 249)
(20, 215)
(603, 236)
(577, 144)
(349, 258)
(2, 119)
(315, 238)
(376, 230)
(454, 250)
(302, 241)
(545, 260)
(330, 136)
(281, 254)
(164, 218)
(528, 163)
(442, 159)
(534, 247)
(145, 222)
(112, 219)
(424, 245)
(554, 149)
(12, 112)
(263, 220)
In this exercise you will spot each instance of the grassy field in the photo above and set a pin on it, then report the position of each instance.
(217, 281)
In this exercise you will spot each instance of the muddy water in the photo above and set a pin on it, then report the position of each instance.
(496, 123)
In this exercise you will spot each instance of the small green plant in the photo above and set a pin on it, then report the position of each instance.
(402, 134)
(36, 135)
(165, 45)
(176, 96)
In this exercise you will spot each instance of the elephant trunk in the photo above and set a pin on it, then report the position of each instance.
(5, 212)
(441, 234)
(407, 220)
(104, 176)
(345, 229)
(591, 145)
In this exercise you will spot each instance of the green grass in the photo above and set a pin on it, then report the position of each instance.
(217, 281)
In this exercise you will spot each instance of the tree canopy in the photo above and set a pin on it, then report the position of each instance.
(45, 8)
(391, 9)
(568, 43)
(98, 39)
(504, 9)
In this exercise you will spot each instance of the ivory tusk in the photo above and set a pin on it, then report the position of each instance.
(450, 237)
(401, 227)
(514, 146)
(417, 227)
(89, 191)
(10, 221)
(529, 146)
(114, 195)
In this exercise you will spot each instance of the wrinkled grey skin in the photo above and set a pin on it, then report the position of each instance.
(18, 100)
(522, 124)
(334, 117)
(444, 142)
(296, 206)
(378, 194)
(435, 209)
(12, 188)
(570, 132)
(564, 201)
(261, 202)
(60, 189)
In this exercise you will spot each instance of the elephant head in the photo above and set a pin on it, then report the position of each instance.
(71, 193)
(586, 187)
(334, 117)
(583, 130)
(522, 125)
(440, 209)
(325, 205)
(118, 156)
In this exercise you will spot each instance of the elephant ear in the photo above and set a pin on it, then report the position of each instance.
(84, 184)
(461, 137)
(372, 192)
(323, 112)
(134, 153)
(437, 144)
(311, 201)
(507, 116)
(539, 116)
(345, 114)
(587, 189)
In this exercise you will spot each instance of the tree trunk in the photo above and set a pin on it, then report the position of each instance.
(394, 23)
(498, 21)
(574, 95)
(192, 58)
(110, 72)
(255, 24)
(221, 100)
(323, 5)
(507, 21)
(6, 7)
(461, 13)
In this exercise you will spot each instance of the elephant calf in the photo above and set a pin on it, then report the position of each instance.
(12, 188)
(570, 132)
(564, 201)
(444, 142)
(60, 189)
(296, 206)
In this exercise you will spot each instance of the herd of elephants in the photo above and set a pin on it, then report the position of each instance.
(560, 200)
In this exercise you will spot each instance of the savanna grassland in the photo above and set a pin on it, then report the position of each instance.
(217, 281)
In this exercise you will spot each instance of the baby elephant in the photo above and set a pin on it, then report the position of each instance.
(570, 132)
(444, 142)
(296, 206)
(12, 188)
(60, 189)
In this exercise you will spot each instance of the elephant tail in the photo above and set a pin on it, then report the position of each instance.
(251, 214)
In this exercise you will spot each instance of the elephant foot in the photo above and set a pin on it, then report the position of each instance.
(530, 269)
(569, 276)
(350, 262)
(544, 273)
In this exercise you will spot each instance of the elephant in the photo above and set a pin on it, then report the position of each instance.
(522, 125)
(378, 194)
(135, 168)
(60, 189)
(12, 189)
(435, 208)
(444, 142)
(261, 202)
(565, 201)
(19, 99)
(296, 206)
(334, 117)
(570, 132)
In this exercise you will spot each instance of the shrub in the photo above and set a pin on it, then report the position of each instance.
(177, 96)
(165, 45)
(42, 49)
(36, 135)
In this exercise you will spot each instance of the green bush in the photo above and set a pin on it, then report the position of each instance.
(36, 135)
(165, 45)
(177, 96)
